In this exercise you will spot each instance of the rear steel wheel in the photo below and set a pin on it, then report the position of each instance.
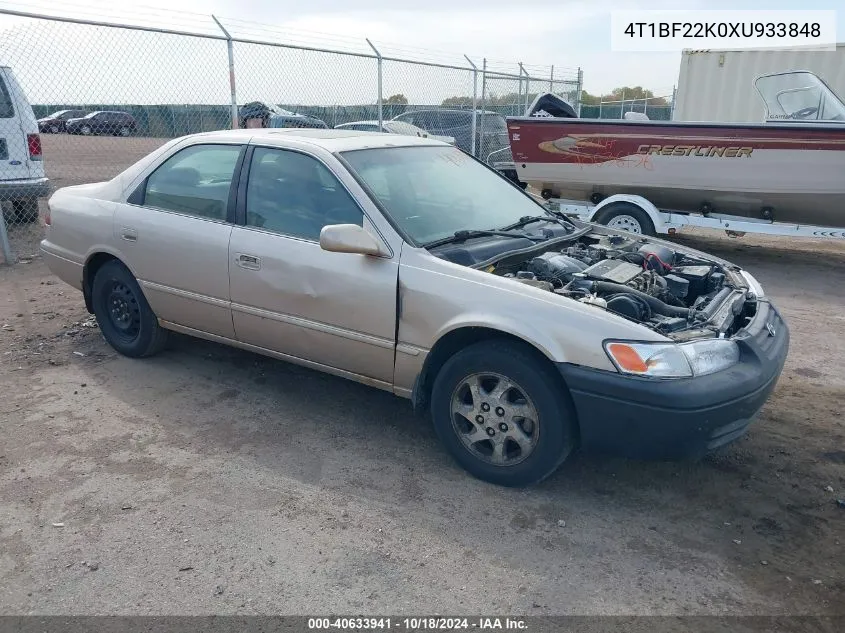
(123, 314)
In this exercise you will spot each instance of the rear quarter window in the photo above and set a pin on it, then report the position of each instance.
(7, 110)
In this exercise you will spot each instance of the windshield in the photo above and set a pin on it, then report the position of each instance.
(798, 96)
(431, 192)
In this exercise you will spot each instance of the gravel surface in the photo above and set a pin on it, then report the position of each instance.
(210, 480)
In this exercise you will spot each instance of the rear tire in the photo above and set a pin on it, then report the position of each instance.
(125, 131)
(626, 216)
(25, 211)
(123, 314)
(533, 420)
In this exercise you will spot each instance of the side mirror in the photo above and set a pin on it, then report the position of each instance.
(349, 238)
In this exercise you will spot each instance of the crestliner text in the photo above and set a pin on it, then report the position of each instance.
(695, 150)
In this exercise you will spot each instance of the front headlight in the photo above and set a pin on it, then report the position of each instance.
(672, 360)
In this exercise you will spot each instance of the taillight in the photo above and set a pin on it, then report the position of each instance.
(33, 141)
(47, 215)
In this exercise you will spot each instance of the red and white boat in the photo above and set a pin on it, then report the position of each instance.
(789, 168)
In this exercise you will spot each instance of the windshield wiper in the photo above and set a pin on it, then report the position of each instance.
(460, 236)
(528, 219)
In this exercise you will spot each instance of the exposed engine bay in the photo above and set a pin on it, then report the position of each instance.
(667, 290)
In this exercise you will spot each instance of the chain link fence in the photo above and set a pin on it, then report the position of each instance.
(82, 100)
(655, 108)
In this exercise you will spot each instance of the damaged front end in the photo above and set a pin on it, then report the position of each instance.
(680, 295)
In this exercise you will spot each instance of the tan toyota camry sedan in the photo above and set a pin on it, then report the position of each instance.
(408, 265)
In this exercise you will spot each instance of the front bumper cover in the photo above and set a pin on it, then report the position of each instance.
(647, 418)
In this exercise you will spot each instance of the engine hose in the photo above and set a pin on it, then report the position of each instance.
(654, 303)
(672, 300)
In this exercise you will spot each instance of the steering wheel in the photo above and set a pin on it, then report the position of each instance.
(803, 113)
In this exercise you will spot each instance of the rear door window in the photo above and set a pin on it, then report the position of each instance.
(196, 181)
(7, 109)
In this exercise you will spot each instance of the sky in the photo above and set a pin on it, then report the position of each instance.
(569, 34)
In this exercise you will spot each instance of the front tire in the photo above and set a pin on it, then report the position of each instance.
(86, 131)
(123, 314)
(502, 414)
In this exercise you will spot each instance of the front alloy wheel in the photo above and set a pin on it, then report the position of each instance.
(494, 419)
(503, 413)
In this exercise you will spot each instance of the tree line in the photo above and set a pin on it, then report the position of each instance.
(627, 93)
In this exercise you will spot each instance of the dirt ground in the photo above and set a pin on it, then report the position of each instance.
(209, 480)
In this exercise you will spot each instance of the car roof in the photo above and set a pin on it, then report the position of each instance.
(331, 139)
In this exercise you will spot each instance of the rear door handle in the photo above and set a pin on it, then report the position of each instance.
(250, 262)
(130, 235)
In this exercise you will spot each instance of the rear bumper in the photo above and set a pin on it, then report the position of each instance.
(684, 418)
(61, 264)
(24, 188)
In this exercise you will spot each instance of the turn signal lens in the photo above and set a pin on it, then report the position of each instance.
(646, 359)
(627, 358)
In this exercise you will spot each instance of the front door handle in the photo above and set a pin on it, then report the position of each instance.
(250, 262)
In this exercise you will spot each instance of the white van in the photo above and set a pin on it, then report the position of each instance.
(22, 179)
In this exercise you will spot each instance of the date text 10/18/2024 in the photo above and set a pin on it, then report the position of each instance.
(417, 624)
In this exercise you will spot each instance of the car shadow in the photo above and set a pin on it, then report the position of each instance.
(297, 425)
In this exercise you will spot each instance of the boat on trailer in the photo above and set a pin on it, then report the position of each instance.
(654, 176)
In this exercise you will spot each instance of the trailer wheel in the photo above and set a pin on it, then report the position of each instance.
(626, 216)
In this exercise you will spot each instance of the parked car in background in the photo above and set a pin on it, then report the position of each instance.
(393, 127)
(406, 264)
(103, 122)
(22, 179)
(55, 123)
(258, 114)
(491, 130)
(284, 119)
